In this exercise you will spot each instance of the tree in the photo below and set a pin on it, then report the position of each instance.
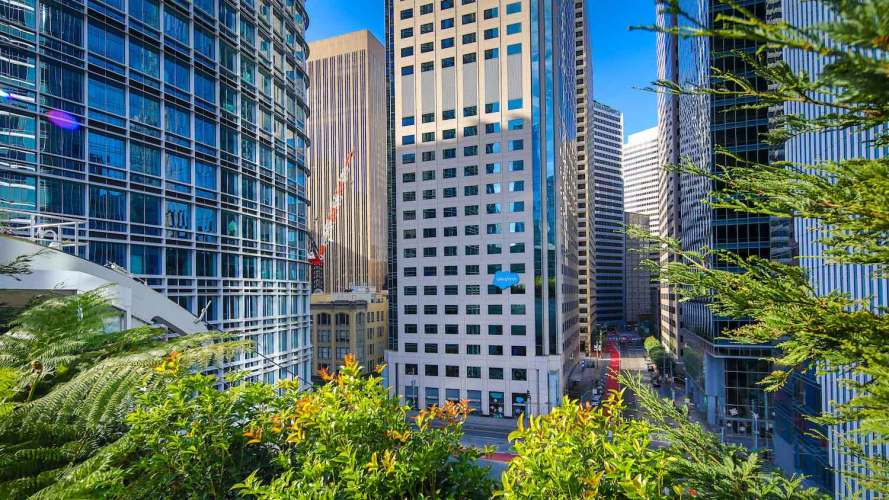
(351, 439)
(598, 452)
(68, 383)
(849, 198)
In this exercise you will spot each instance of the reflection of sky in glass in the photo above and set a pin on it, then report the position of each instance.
(63, 120)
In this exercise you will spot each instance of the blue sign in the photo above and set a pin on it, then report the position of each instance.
(503, 279)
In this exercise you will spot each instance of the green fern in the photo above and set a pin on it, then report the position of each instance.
(66, 385)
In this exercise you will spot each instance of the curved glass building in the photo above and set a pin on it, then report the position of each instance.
(176, 129)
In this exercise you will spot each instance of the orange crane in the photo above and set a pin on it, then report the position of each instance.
(316, 255)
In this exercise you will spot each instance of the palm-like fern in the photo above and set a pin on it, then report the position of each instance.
(73, 382)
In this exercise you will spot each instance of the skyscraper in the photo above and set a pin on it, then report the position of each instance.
(177, 130)
(586, 186)
(827, 463)
(347, 98)
(669, 185)
(639, 294)
(485, 179)
(722, 376)
(640, 174)
(608, 212)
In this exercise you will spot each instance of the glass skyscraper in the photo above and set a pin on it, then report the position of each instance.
(826, 462)
(177, 130)
(722, 376)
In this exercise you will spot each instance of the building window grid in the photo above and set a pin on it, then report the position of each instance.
(110, 209)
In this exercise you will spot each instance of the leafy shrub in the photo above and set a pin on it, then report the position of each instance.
(351, 439)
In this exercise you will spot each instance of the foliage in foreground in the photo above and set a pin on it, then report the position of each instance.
(67, 385)
(848, 199)
(346, 439)
(597, 452)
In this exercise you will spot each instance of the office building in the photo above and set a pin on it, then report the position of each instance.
(640, 296)
(722, 376)
(608, 213)
(176, 131)
(641, 171)
(485, 177)
(352, 322)
(825, 461)
(669, 182)
(586, 234)
(347, 99)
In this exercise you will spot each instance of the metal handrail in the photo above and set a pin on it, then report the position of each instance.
(59, 232)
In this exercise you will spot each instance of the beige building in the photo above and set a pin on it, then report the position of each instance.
(348, 102)
(586, 187)
(345, 323)
(640, 295)
(640, 171)
(485, 204)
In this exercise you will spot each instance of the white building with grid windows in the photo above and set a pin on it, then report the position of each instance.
(485, 176)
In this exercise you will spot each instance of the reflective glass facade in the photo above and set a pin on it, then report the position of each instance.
(177, 129)
(824, 460)
(722, 377)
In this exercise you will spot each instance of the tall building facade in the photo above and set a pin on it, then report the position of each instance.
(669, 182)
(722, 376)
(608, 212)
(641, 170)
(640, 296)
(485, 148)
(826, 462)
(177, 131)
(586, 186)
(348, 101)
(391, 185)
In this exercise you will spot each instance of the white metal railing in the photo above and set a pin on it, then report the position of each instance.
(53, 231)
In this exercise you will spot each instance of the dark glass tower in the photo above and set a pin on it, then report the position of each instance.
(722, 376)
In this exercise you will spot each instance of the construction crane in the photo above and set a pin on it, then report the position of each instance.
(319, 248)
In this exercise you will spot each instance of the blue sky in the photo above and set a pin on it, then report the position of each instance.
(623, 61)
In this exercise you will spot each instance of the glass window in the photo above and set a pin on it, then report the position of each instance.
(106, 96)
(205, 264)
(178, 215)
(106, 150)
(205, 175)
(178, 120)
(177, 74)
(145, 11)
(178, 262)
(175, 26)
(178, 168)
(18, 191)
(60, 80)
(60, 23)
(205, 43)
(104, 252)
(108, 204)
(62, 197)
(61, 141)
(144, 109)
(145, 260)
(228, 56)
(145, 209)
(145, 159)
(205, 131)
(144, 59)
(106, 41)
(205, 86)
